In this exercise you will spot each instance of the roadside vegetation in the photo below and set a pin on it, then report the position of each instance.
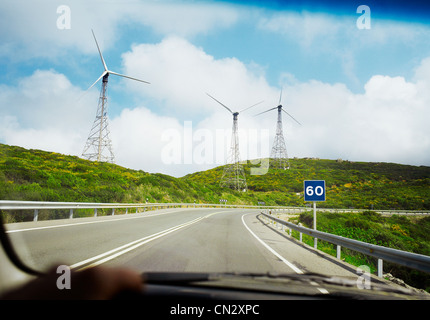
(407, 233)
(46, 176)
(361, 185)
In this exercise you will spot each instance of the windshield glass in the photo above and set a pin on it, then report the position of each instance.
(154, 134)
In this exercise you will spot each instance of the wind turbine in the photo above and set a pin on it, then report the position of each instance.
(98, 140)
(234, 175)
(279, 149)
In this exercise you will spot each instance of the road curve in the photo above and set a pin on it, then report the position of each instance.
(178, 240)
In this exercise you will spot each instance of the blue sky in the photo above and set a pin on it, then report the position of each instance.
(360, 94)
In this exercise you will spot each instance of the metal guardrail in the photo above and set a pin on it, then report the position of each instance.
(404, 258)
(72, 206)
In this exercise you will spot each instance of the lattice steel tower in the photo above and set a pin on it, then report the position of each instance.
(233, 175)
(279, 154)
(279, 149)
(99, 145)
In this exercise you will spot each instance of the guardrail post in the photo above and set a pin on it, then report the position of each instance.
(95, 212)
(36, 214)
(71, 214)
(113, 211)
(338, 248)
(380, 268)
(126, 210)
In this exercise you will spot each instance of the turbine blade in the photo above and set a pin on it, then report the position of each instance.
(85, 92)
(280, 97)
(103, 74)
(101, 56)
(251, 106)
(220, 103)
(291, 117)
(266, 111)
(121, 75)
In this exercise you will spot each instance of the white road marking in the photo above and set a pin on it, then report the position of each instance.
(289, 264)
(111, 254)
(89, 222)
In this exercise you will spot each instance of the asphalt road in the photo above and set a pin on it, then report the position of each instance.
(195, 239)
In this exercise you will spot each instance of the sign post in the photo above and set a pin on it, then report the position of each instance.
(314, 191)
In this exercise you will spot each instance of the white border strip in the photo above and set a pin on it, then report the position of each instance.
(289, 264)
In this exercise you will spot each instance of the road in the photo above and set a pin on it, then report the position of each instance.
(186, 239)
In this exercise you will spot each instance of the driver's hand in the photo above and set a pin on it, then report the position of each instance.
(93, 284)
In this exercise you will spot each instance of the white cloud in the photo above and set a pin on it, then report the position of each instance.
(390, 88)
(387, 123)
(184, 19)
(422, 72)
(43, 111)
(137, 139)
(181, 74)
(27, 28)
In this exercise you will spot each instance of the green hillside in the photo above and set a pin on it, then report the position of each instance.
(349, 184)
(37, 175)
(45, 176)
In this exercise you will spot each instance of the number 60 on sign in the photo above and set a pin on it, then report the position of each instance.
(314, 190)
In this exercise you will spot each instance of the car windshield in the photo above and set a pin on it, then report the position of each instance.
(174, 136)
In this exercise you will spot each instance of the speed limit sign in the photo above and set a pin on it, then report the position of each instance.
(314, 190)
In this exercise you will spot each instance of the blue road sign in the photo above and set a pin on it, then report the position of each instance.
(314, 190)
